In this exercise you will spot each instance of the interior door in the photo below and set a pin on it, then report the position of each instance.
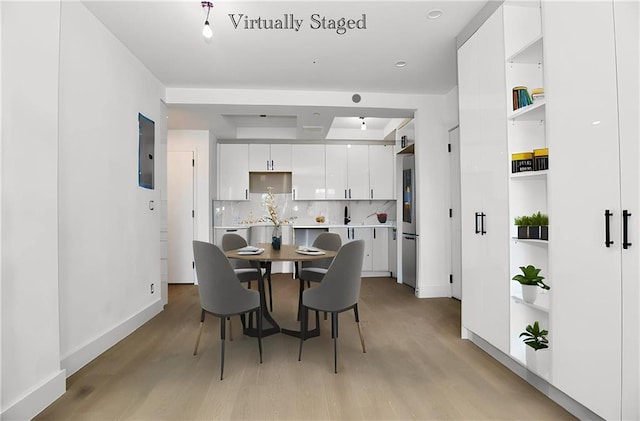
(180, 204)
(454, 189)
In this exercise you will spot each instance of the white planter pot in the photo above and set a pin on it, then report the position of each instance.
(538, 361)
(530, 293)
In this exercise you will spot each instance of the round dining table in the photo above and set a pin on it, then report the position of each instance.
(286, 253)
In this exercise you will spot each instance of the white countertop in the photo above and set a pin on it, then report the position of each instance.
(311, 226)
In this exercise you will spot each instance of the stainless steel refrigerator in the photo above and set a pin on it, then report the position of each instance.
(409, 235)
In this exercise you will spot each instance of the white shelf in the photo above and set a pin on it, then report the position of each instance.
(530, 175)
(539, 307)
(530, 241)
(533, 112)
(530, 53)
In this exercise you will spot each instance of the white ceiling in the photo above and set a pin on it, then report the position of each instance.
(166, 37)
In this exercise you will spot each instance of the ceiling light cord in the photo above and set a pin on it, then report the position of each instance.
(207, 32)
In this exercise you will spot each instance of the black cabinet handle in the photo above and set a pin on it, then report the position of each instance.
(482, 231)
(607, 233)
(625, 223)
(476, 222)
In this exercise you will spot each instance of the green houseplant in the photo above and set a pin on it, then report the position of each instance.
(522, 222)
(539, 228)
(531, 280)
(535, 337)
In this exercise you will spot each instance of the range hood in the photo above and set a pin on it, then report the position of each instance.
(260, 181)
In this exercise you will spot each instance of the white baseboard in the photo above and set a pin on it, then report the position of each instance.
(84, 354)
(36, 399)
(434, 291)
(574, 407)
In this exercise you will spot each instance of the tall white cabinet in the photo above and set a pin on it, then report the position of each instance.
(589, 70)
(484, 183)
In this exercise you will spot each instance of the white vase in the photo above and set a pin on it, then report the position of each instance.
(529, 293)
(538, 361)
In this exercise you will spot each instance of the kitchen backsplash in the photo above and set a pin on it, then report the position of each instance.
(229, 213)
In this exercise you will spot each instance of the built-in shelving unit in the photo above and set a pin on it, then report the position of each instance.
(527, 190)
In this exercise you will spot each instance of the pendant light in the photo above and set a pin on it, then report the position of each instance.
(207, 32)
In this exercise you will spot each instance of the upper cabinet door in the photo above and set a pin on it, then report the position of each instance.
(358, 172)
(281, 157)
(233, 171)
(381, 172)
(336, 171)
(259, 157)
(263, 157)
(308, 172)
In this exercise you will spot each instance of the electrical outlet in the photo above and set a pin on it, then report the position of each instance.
(152, 288)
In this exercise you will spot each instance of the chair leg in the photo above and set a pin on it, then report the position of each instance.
(223, 323)
(230, 329)
(303, 329)
(334, 334)
(195, 351)
(355, 310)
(301, 289)
(270, 293)
(258, 314)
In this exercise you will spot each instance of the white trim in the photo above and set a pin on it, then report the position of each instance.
(36, 399)
(84, 354)
(556, 395)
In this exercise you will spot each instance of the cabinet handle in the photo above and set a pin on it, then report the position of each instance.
(294, 194)
(246, 194)
(476, 223)
(374, 233)
(372, 193)
(625, 221)
(345, 194)
(349, 193)
(607, 233)
(482, 231)
(267, 165)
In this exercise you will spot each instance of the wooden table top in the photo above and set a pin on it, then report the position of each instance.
(287, 253)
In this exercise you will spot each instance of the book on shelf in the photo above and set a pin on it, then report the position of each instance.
(521, 97)
(537, 94)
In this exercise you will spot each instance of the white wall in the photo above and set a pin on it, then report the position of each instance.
(109, 237)
(196, 141)
(31, 375)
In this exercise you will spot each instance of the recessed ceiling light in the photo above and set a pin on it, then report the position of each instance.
(434, 13)
(401, 63)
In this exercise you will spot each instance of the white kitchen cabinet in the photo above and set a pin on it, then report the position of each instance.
(275, 157)
(380, 249)
(592, 110)
(308, 172)
(233, 171)
(484, 184)
(376, 247)
(347, 172)
(381, 172)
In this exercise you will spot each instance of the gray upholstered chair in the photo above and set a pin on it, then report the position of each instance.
(314, 271)
(339, 291)
(221, 294)
(245, 270)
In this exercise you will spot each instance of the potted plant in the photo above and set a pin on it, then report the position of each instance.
(536, 339)
(539, 228)
(530, 280)
(522, 222)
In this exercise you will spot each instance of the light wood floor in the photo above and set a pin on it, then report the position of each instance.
(416, 367)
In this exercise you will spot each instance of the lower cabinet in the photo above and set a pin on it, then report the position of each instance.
(376, 247)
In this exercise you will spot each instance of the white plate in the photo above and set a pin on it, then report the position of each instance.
(253, 250)
(310, 252)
